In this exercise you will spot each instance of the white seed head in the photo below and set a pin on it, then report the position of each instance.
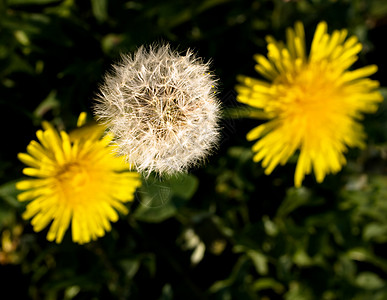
(162, 109)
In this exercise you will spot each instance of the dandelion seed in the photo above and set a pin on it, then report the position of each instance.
(313, 103)
(78, 181)
(161, 108)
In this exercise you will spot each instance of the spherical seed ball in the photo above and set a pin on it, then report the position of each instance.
(162, 109)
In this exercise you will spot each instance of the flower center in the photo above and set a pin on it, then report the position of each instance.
(73, 178)
(311, 92)
(160, 108)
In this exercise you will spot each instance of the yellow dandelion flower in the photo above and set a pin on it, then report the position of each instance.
(313, 102)
(78, 180)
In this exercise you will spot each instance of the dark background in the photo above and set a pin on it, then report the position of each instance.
(260, 237)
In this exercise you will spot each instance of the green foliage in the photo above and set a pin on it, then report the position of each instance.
(224, 231)
(161, 199)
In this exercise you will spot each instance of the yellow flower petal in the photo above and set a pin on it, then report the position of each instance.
(314, 103)
(30, 184)
(82, 183)
(36, 172)
(28, 160)
(81, 119)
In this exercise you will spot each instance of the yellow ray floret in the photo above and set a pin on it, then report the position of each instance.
(79, 181)
(314, 102)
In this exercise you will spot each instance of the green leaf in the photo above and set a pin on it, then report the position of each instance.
(99, 8)
(369, 281)
(378, 8)
(345, 267)
(9, 193)
(223, 284)
(166, 292)
(184, 186)
(50, 103)
(260, 261)
(71, 292)
(130, 267)
(364, 255)
(111, 42)
(268, 283)
(245, 112)
(295, 198)
(18, 63)
(160, 200)
(271, 227)
(298, 291)
(31, 2)
(375, 232)
(7, 216)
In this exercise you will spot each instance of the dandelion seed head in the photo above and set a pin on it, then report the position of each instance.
(161, 108)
